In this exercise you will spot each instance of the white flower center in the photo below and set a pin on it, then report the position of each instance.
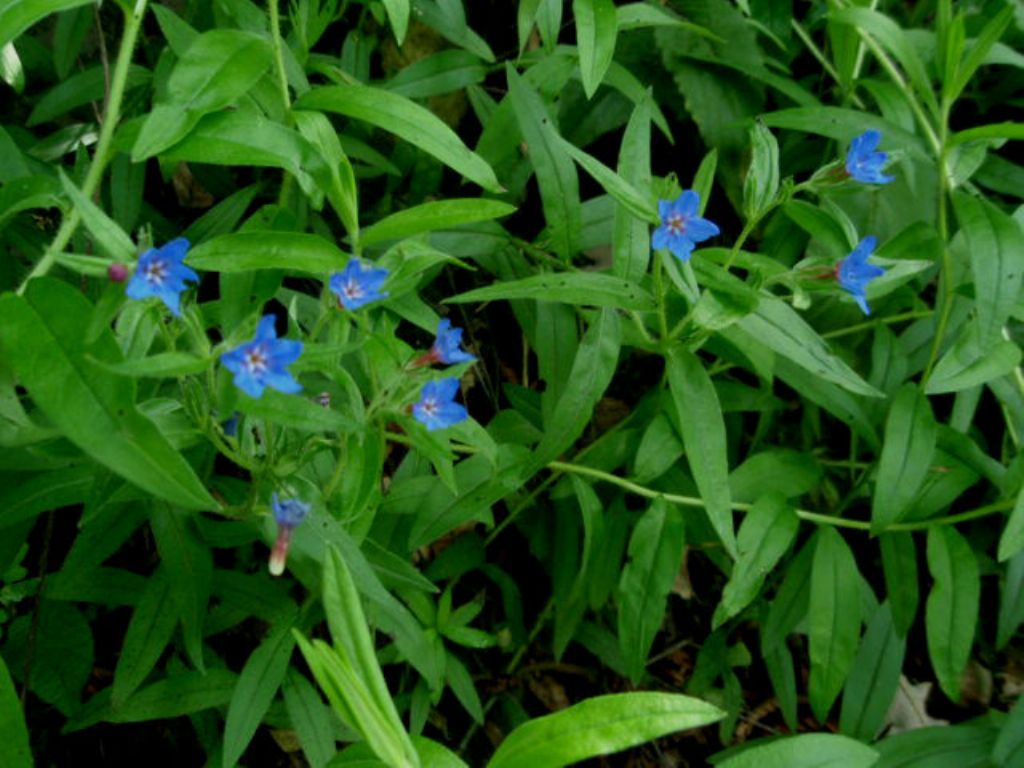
(430, 406)
(254, 360)
(676, 224)
(156, 272)
(353, 290)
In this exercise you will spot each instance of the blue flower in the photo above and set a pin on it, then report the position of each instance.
(854, 272)
(437, 408)
(162, 273)
(681, 227)
(262, 362)
(288, 514)
(446, 348)
(862, 161)
(358, 284)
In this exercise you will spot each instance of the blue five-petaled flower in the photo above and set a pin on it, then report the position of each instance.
(447, 347)
(854, 273)
(162, 273)
(263, 361)
(437, 408)
(863, 163)
(681, 225)
(358, 284)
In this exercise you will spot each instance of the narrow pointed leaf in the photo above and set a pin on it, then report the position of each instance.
(951, 613)
(703, 432)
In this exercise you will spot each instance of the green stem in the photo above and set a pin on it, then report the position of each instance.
(804, 514)
(902, 84)
(659, 291)
(275, 33)
(946, 296)
(102, 156)
(851, 329)
(748, 228)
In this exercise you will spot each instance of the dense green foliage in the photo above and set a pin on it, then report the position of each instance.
(724, 430)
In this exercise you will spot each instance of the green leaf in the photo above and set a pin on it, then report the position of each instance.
(969, 64)
(42, 334)
(59, 633)
(337, 180)
(1011, 601)
(994, 242)
(640, 15)
(438, 214)
(942, 746)
(899, 565)
(778, 326)
(592, 371)
(398, 15)
(406, 119)
(13, 731)
(951, 612)
(1012, 540)
(842, 125)
(149, 631)
(967, 364)
(897, 42)
(704, 437)
(79, 89)
(596, 29)
(158, 366)
(244, 251)
(18, 15)
(352, 638)
(764, 537)
(183, 694)
(295, 411)
(583, 288)
(217, 69)
(247, 139)
(1008, 750)
(874, 678)
(807, 750)
(655, 553)
(109, 236)
(556, 174)
(311, 719)
(762, 180)
(189, 564)
(257, 685)
(600, 726)
(442, 72)
(906, 459)
(31, 496)
(1005, 130)
(789, 607)
(624, 193)
(631, 240)
(833, 619)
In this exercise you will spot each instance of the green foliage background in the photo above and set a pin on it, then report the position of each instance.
(686, 487)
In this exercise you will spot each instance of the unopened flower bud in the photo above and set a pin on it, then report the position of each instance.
(117, 273)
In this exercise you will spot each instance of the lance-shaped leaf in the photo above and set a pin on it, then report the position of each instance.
(951, 613)
(833, 619)
(910, 435)
(703, 431)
